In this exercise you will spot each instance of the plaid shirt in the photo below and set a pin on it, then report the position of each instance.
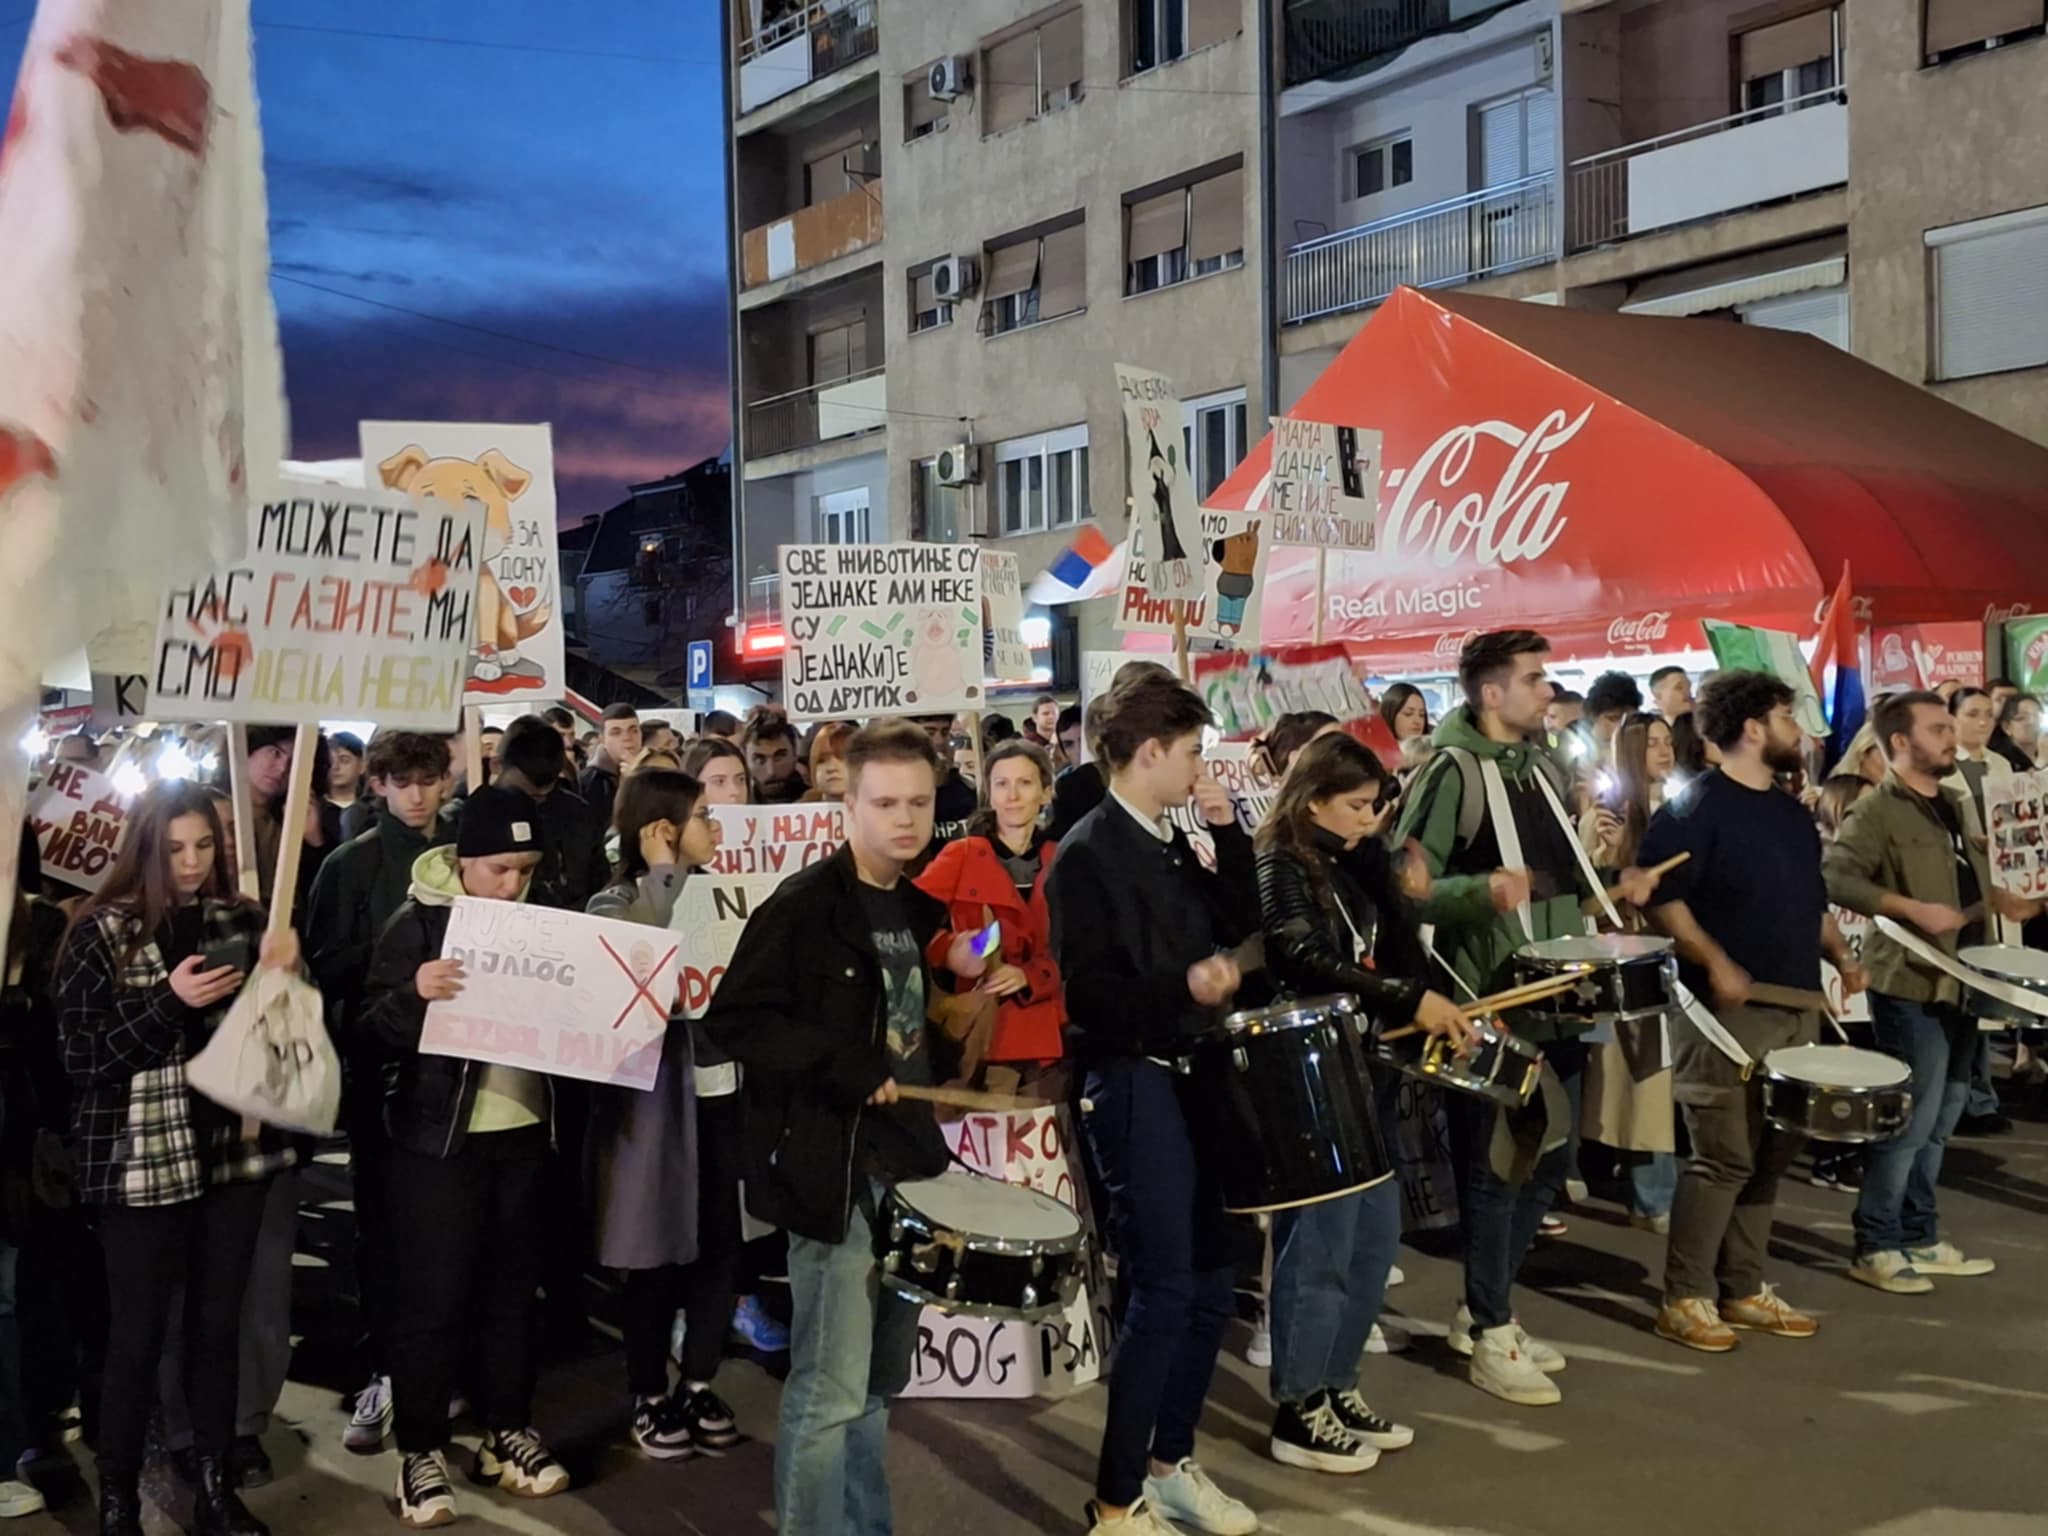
(143, 1138)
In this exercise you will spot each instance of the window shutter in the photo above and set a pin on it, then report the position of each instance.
(920, 107)
(1012, 269)
(1954, 23)
(1500, 143)
(1788, 44)
(1009, 83)
(1211, 21)
(1158, 225)
(1217, 222)
(1059, 53)
(924, 294)
(1062, 272)
(1991, 300)
(1540, 125)
(829, 355)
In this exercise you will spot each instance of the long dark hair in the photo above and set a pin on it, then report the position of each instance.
(1328, 766)
(983, 822)
(1630, 798)
(139, 884)
(1394, 700)
(1287, 736)
(651, 795)
(708, 749)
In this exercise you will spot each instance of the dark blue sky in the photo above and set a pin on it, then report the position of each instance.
(551, 171)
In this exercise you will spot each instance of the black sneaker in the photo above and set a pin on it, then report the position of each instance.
(710, 1420)
(1355, 1415)
(661, 1429)
(251, 1463)
(1309, 1434)
(517, 1461)
(1997, 1123)
(424, 1496)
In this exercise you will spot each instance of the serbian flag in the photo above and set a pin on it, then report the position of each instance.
(1837, 669)
(1089, 567)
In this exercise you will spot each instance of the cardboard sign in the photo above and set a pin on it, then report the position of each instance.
(2026, 653)
(119, 698)
(350, 605)
(1746, 648)
(1002, 600)
(880, 629)
(1251, 789)
(1856, 930)
(760, 847)
(1164, 518)
(78, 820)
(2015, 809)
(555, 992)
(509, 471)
(1908, 656)
(1247, 692)
(1227, 604)
(1325, 491)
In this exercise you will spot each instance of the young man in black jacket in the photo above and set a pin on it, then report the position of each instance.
(532, 762)
(359, 888)
(1137, 925)
(599, 783)
(824, 1005)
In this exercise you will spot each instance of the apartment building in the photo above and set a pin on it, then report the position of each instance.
(951, 223)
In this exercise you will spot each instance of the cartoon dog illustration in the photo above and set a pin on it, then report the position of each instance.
(1238, 560)
(496, 482)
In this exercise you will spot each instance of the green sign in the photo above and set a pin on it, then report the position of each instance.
(1745, 648)
(2026, 653)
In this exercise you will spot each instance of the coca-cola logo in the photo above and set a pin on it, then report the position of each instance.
(1859, 605)
(1995, 614)
(1520, 518)
(1452, 643)
(1641, 630)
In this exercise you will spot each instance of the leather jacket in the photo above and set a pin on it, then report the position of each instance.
(1310, 944)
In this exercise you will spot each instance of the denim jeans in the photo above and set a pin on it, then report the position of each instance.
(851, 1348)
(1937, 1042)
(1652, 1182)
(1330, 1264)
(1983, 1097)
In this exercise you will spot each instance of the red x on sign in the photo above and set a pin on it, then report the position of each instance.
(640, 992)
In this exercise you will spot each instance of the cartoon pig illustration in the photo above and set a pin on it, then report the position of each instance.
(934, 659)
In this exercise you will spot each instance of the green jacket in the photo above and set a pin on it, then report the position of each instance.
(1891, 844)
(1473, 939)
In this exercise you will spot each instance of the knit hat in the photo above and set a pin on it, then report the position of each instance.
(497, 821)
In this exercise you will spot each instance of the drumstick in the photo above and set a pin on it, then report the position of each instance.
(967, 1098)
(1518, 996)
(1592, 904)
(1802, 998)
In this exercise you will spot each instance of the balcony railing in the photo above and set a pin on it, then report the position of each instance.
(1482, 233)
(1326, 37)
(1741, 161)
(812, 236)
(817, 413)
(802, 43)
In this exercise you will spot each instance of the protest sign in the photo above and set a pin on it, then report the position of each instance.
(119, 698)
(349, 605)
(1243, 776)
(877, 629)
(1002, 599)
(78, 820)
(1226, 605)
(509, 471)
(2015, 809)
(1908, 656)
(1164, 518)
(1247, 692)
(760, 846)
(1325, 490)
(2026, 653)
(555, 992)
(1746, 648)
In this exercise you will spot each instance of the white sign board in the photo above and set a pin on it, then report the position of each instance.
(880, 629)
(2017, 810)
(1227, 603)
(1002, 599)
(1251, 790)
(78, 820)
(555, 992)
(349, 605)
(1325, 490)
(1162, 487)
(760, 846)
(508, 471)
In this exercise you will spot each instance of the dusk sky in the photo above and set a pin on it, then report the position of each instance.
(546, 175)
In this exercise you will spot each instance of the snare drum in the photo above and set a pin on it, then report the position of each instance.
(1622, 977)
(1836, 1092)
(1501, 1067)
(1290, 1105)
(974, 1245)
(2026, 969)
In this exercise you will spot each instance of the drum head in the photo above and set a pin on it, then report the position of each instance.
(1299, 1013)
(1837, 1066)
(967, 1202)
(1596, 948)
(2009, 962)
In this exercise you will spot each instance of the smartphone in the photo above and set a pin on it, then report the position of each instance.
(231, 952)
(987, 941)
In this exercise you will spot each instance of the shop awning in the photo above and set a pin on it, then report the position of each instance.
(1611, 480)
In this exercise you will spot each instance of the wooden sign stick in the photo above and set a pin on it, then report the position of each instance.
(473, 747)
(1180, 639)
(244, 813)
(291, 832)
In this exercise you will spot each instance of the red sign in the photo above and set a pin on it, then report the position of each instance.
(1926, 656)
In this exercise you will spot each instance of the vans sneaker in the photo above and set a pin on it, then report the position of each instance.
(1309, 1434)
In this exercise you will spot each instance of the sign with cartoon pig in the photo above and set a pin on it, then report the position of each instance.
(880, 629)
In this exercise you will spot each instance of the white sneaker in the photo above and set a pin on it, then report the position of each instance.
(1499, 1366)
(1546, 1358)
(1259, 1353)
(18, 1499)
(1388, 1339)
(371, 1420)
(1190, 1499)
(1576, 1192)
(1892, 1272)
(424, 1496)
(1945, 1258)
(1396, 1277)
(1140, 1520)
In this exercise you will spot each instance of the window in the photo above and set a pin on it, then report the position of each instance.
(1160, 31)
(839, 351)
(1990, 294)
(1791, 61)
(1514, 139)
(1031, 73)
(841, 517)
(1042, 482)
(935, 509)
(1953, 28)
(1183, 232)
(923, 113)
(839, 170)
(1389, 163)
(1039, 277)
(927, 310)
(1215, 434)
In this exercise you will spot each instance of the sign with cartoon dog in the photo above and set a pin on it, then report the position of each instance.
(1226, 605)
(509, 472)
(1162, 489)
(880, 629)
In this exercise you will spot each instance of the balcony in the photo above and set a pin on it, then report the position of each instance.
(1743, 161)
(818, 413)
(799, 43)
(812, 236)
(1474, 236)
(1332, 37)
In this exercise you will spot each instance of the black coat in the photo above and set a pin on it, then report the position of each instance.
(1310, 945)
(358, 890)
(1075, 793)
(802, 1009)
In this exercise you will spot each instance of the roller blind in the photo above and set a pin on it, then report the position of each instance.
(1954, 23)
(1217, 220)
(1788, 44)
(1991, 296)
(1012, 269)
(1158, 225)
(924, 293)
(920, 107)
(1010, 82)
(1211, 21)
(1059, 53)
(1062, 272)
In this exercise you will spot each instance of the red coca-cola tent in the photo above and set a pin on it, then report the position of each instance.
(1611, 480)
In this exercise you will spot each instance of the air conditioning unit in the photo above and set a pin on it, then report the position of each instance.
(954, 278)
(948, 78)
(959, 465)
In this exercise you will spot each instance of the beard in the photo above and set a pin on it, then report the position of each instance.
(1780, 758)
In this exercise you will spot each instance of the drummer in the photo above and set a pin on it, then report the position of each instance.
(1495, 888)
(1912, 851)
(1335, 922)
(1747, 906)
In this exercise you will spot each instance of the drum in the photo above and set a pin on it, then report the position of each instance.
(1836, 1092)
(1622, 977)
(1289, 1104)
(2023, 968)
(974, 1245)
(1501, 1067)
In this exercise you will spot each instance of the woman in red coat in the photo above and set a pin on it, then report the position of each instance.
(998, 872)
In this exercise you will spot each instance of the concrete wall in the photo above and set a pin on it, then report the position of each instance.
(771, 165)
(780, 510)
(773, 337)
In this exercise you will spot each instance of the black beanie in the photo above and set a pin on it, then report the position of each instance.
(497, 821)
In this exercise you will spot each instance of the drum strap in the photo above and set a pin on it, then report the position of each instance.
(1571, 835)
(1716, 1032)
(1991, 986)
(1505, 835)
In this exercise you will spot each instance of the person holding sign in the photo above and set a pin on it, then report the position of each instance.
(823, 1004)
(148, 968)
(1137, 925)
(468, 1159)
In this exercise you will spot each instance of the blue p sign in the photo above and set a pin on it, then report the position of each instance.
(699, 671)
